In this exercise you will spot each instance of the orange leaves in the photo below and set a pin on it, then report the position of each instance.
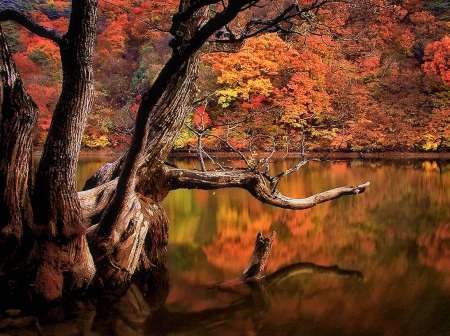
(366, 78)
(437, 56)
(371, 62)
(255, 101)
(43, 52)
(261, 58)
(278, 87)
(201, 118)
(253, 71)
(407, 40)
(24, 62)
(289, 78)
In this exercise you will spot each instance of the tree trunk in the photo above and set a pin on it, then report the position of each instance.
(64, 257)
(18, 118)
(58, 210)
(135, 206)
(61, 258)
(130, 213)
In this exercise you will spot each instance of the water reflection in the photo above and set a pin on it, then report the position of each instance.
(397, 234)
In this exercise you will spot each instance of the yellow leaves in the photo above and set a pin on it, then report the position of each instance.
(260, 86)
(431, 142)
(227, 96)
(262, 57)
(95, 141)
(271, 67)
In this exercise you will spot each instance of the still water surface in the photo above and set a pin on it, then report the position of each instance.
(397, 234)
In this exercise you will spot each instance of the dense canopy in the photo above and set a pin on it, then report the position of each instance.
(356, 82)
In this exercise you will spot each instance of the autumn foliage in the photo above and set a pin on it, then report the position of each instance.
(379, 80)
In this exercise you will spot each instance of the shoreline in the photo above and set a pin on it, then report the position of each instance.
(388, 155)
(339, 155)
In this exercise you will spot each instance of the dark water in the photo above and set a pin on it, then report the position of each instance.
(397, 234)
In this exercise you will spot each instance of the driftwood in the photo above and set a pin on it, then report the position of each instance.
(259, 260)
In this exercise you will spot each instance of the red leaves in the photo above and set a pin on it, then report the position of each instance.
(437, 56)
(201, 118)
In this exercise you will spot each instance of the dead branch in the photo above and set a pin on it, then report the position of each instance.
(254, 183)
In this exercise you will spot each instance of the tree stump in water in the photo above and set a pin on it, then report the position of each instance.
(259, 260)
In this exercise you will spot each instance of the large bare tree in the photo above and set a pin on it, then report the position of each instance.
(62, 241)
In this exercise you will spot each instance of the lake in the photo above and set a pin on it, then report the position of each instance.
(397, 235)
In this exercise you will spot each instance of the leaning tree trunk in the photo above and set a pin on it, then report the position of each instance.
(128, 228)
(133, 229)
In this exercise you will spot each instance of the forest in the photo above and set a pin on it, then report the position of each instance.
(366, 80)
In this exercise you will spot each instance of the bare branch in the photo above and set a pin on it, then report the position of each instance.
(42, 31)
(254, 183)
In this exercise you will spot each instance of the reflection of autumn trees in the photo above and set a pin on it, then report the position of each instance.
(344, 232)
(376, 234)
(435, 248)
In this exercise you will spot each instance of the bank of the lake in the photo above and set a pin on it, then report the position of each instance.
(337, 155)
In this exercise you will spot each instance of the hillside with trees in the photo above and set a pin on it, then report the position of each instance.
(364, 80)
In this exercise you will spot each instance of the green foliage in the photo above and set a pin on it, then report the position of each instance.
(39, 57)
(440, 6)
(13, 37)
(443, 97)
(147, 49)
(20, 5)
(139, 75)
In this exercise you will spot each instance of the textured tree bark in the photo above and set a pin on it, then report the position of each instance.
(18, 117)
(254, 183)
(259, 260)
(127, 207)
(160, 117)
(58, 211)
(61, 258)
(64, 257)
